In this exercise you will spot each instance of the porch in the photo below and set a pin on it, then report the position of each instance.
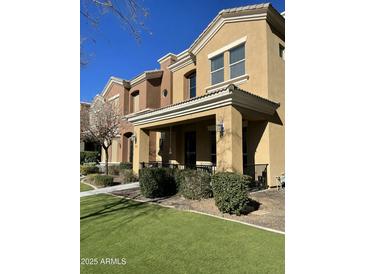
(220, 135)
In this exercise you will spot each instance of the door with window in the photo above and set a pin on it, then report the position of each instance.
(190, 149)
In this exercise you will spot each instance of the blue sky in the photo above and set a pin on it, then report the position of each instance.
(174, 26)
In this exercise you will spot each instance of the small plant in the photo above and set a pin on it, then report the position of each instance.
(230, 191)
(195, 184)
(114, 170)
(88, 168)
(100, 180)
(89, 157)
(127, 176)
(157, 182)
(125, 165)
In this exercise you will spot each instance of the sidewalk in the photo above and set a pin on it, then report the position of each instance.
(109, 189)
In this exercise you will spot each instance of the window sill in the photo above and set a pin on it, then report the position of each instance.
(236, 81)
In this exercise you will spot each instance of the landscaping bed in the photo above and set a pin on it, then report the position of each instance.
(270, 213)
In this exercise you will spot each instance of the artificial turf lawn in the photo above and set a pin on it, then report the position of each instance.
(154, 239)
(84, 187)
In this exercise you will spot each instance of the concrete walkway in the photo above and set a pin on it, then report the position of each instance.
(109, 189)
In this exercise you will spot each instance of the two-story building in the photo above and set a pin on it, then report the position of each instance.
(219, 103)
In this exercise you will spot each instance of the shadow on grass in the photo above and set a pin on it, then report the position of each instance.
(122, 205)
(112, 207)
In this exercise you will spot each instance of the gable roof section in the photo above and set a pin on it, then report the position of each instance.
(116, 80)
(148, 74)
(263, 11)
(245, 13)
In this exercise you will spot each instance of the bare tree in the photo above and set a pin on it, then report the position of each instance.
(101, 124)
(130, 14)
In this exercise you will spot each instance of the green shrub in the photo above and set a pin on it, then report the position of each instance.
(100, 180)
(195, 184)
(127, 176)
(230, 191)
(89, 157)
(88, 168)
(157, 182)
(113, 170)
(125, 165)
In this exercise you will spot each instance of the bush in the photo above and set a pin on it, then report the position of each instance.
(100, 180)
(157, 182)
(88, 168)
(113, 170)
(230, 191)
(89, 157)
(127, 176)
(125, 165)
(195, 184)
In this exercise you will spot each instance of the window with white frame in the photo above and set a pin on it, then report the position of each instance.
(237, 61)
(217, 69)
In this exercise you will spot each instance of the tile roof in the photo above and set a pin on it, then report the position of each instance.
(230, 87)
(242, 8)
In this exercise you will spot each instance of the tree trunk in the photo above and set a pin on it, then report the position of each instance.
(106, 161)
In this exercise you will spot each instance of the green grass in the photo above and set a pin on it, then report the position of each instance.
(84, 187)
(155, 239)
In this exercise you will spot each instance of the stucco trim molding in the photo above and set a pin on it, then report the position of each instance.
(116, 80)
(166, 56)
(114, 97)
(145, 76)
(236, 81)
(181, 63)
(227, 47)
(230, 95)
(217, 24)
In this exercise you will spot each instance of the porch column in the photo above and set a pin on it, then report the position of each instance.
(229, 146)
(141, 148)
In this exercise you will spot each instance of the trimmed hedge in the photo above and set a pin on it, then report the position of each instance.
(100, 180)
(89, 157)
(195, 184)
(88, 168)
(125, 165)
(157, 182)
(230, 191)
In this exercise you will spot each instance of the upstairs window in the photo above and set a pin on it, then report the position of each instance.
(282, 51)
(237, 61)
(192, 85)
(217, 69)
(135, 101)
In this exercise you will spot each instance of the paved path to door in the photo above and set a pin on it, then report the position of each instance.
(109, 189)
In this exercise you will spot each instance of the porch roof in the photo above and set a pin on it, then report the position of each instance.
(229, 95)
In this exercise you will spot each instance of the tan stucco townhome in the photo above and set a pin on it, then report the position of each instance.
(219, 103)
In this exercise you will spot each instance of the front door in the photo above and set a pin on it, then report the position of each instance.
(190, 149)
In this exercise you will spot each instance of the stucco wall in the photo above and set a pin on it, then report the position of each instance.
(276, 80)
(166, 82)
(179, 83)
(256, 65)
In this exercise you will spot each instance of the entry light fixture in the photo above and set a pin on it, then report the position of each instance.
(220, 128)
(134, 138)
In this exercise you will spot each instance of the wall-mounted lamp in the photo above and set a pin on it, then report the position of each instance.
(134, 138)
(220, 128)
